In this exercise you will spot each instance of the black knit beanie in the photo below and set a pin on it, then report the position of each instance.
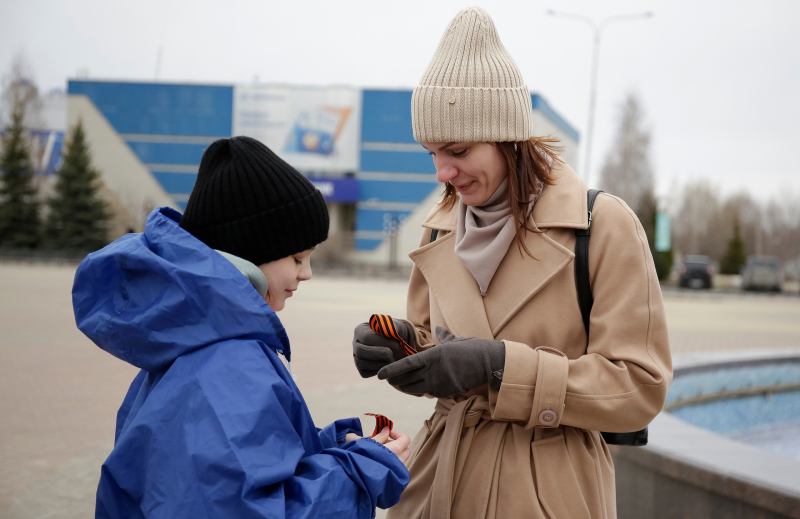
(249, 202)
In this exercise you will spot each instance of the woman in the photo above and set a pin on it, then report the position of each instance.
(493, 309)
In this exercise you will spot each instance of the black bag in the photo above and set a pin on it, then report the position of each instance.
(586, 301)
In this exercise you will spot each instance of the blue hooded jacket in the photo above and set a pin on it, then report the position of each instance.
(213, 425)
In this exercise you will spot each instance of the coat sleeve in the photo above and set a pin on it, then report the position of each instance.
(620, 383)
(224, 435)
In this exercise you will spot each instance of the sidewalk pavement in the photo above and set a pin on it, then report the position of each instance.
(59, 393)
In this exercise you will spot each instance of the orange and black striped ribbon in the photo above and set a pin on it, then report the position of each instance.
(384, 325)
(380, 422)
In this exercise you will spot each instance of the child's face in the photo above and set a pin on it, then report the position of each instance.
(284, 276)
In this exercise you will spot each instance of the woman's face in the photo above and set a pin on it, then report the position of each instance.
(474, 169)
(284, 276)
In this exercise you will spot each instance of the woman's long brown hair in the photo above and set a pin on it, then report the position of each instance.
(530, 164)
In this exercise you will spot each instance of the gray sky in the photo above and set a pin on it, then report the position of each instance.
(719, 80)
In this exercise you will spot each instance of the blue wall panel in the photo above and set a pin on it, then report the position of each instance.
(176, 182)
(395, 191)
(397, 161)
(155, 108)
(373, 219)
(367, 244)
(386, 117)
(168, 153)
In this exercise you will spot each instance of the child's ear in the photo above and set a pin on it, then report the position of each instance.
(250, 271)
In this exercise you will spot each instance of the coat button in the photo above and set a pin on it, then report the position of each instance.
(548, 417)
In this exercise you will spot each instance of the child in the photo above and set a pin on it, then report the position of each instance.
(213, 425)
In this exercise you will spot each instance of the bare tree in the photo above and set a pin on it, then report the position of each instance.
(703, 222)
(627, 172)
(781, 235)
(696, 212)
(20, 92)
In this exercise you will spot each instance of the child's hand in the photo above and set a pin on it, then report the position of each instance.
(351, 437)
(396, 442)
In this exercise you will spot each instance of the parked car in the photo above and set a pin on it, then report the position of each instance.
(697, 272)
(762, 273)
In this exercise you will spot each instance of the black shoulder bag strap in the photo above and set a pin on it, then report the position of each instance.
(586, 301)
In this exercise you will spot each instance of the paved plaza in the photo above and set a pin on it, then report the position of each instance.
(59, 393)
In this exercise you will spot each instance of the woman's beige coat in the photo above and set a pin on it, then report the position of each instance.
(531, 449)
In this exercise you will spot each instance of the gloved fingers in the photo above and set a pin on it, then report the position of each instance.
(402, 366)
(361, 330)
(420, 387)
(364, 335)
(366, 373)
(404, 379)
(370, 365)
(444, 334)
(381, 353)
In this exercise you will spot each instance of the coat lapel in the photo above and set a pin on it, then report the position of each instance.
(453, 288)
(521, 277)
(564, 203)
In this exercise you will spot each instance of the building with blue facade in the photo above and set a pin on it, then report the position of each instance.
(356, 145)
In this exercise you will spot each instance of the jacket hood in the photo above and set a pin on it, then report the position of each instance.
(149, 298)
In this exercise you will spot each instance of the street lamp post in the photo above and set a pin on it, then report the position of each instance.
(597, 28)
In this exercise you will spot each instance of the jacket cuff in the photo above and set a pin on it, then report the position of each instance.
(551, 388)
(514, 400)
(334, 435)
(534, 386)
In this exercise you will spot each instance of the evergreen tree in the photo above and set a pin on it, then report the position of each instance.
(734, 256)
(20, 224)
(78, 215)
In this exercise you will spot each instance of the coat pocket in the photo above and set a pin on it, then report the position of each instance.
(557, 484)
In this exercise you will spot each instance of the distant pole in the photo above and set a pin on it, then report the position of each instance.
(597, 28)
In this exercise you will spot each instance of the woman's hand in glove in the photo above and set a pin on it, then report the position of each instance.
(371, 351)
(455, 366)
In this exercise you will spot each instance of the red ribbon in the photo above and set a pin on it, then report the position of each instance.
(380, 423)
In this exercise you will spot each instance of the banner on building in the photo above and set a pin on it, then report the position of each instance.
(344, 190)
(315, 129)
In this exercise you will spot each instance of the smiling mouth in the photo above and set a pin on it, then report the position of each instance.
(463, 187)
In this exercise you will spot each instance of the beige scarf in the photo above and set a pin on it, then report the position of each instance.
(483, 235)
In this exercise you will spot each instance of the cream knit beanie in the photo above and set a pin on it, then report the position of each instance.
(472, 90)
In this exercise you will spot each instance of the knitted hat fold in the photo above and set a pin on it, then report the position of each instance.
(472, 91)
(249, 202)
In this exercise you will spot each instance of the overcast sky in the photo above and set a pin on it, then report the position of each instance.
(719, 80)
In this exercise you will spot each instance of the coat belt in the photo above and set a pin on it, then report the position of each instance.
(459, 415)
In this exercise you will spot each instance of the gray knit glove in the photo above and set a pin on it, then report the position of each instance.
(455, 366)
(371, 351)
